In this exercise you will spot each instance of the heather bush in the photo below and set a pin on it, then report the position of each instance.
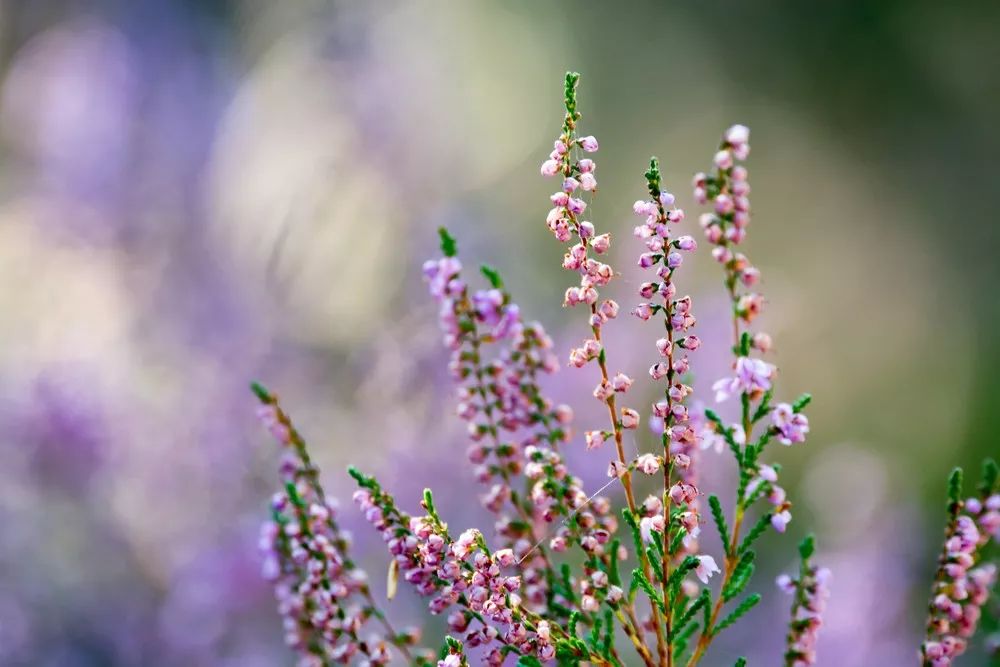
(568, 574)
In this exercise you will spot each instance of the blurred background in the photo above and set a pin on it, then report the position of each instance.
(194, 194)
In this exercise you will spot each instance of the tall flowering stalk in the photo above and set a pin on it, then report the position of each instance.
(565, 222)
(552, 582)
(323, 597)
(676, 526)
(967, 571)
(809, 591)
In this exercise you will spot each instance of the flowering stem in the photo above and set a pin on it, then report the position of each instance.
(668, 469)
(476, 341)
(707, 633)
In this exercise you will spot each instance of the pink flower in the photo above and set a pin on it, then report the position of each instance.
(648, 464)
(588, 182)
(643, 311)
(649, 525)
(752, 375)
(630, 418)
(723, 159)
(658, 371)
(738, 134)
(550, 168)
(601, 243)
(595, 439)
(785, 584)
(586, 165)
(621, 383)
(464, 544)
(706, 568)
(588, 143)
(683, 493)
(686, 243)
(617, 469)
(791, 426)
(780, 520)
(690, 343)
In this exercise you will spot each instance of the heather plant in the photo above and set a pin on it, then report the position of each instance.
(564, 575)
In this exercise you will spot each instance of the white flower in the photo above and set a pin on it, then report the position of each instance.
(706, 568)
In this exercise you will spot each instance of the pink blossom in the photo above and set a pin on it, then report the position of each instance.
(621, 383)
(648, 464)
(643, 311)
(588, 143)
(630, 418)
(706, 568)
(595, 439)
(682, 493)
(601, 243)
(550, 168)
(752, 375)
(649, 525)
(791, 426)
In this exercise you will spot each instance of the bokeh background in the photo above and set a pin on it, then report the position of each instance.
(197, 193)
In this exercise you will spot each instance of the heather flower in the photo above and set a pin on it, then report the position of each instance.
(752, 376)
(810, 591)
(648, 464)
(517, 597)
(706, 568)
(323, 598)
(790, 425)
(963, 581)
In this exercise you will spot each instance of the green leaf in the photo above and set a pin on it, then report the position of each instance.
(741, 609)
(640, 548)
(261, 392)
(741, 576)
(448, 245)
(955, 486)
(991, 474)
(656, 561)
(807, 547)
(699, 602)
(492, 275)
(764, 406)
(758, 529)
(594, 637)
(801, 402)
(614, 576)
(720, 520)
(688, 564)
(429, 504)
(683, 636)
(740, 662)
(745, 342)
(653, 177)
(529, 661)
(574, 618)
(639, 580)
(567, 582)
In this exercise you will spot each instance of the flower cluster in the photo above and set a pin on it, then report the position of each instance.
(810, 590)
(459, 573)
(565, 218)
(679, 438)
(528, 598)
(964, 577)
(323, 598)
(514, 427)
